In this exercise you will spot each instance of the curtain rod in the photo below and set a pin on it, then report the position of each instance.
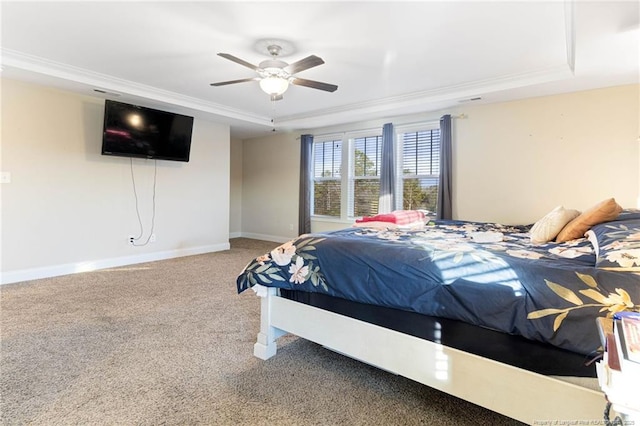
(459, 116)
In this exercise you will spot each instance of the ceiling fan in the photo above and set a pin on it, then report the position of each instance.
(275, 75)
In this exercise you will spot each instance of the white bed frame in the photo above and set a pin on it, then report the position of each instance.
(514, 392)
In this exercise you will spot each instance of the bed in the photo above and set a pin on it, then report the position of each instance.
(476, 310)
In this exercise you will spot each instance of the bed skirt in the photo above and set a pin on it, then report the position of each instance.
(510, 349)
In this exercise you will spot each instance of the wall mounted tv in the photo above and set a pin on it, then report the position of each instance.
(135, 131)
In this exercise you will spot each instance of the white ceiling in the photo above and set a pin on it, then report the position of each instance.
(387, 58)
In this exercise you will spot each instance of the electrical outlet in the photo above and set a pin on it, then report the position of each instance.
(152, 239)
(131, 239)
(291, 227)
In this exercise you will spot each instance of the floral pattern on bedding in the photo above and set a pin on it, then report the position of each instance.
(482, 273)
(617, 245)
(610, 303)
(300, 261)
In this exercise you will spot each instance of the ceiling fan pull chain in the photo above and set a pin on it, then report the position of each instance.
(273, 114)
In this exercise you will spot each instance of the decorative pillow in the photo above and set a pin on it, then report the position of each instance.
(547, 228)
(617, 245)
(604, 211)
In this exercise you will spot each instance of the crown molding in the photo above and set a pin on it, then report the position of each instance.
(408, 103)
(422, 100)
(19, 60)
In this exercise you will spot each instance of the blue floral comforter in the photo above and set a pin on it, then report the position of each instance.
(486, 274)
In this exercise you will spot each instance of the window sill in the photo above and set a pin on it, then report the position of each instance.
(329, 219)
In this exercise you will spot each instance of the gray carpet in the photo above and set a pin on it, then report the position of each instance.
(171, 342)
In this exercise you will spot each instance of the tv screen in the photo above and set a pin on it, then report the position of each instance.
(135, 131)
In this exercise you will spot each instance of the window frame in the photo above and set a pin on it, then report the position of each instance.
(400, 131)
(352, 178)
(326, 139)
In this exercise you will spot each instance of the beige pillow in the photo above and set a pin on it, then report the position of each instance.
(604, 211)
(547, 228)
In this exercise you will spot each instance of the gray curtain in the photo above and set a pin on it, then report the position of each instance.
(386, 203)
(444, 188)
(304, 204)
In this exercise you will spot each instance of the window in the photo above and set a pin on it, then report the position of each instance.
(364, 185)
(327, 163)
(419, 170)
(353, 191)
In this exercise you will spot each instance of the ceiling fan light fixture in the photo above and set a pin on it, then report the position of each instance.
(274, 85)
(275, 75)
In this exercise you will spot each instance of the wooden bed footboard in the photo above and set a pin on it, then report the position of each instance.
(514, 392)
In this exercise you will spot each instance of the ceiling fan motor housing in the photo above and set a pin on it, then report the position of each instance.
(273, 67)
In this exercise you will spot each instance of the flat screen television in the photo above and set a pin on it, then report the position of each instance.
(136, 131)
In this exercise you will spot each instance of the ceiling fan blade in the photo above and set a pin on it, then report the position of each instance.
(242, 80)
(238, 61)
(304, 64)
(314, 84)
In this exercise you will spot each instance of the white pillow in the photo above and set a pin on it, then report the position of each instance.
(547, 228)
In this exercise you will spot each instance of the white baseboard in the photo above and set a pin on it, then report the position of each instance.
(265, 237)
(77, 267)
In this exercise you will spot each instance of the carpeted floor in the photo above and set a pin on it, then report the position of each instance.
(171, 342)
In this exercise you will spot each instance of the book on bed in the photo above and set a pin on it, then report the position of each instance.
(626, 329)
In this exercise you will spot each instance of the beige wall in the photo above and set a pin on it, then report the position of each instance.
(235, 201)
(270, 184)
(513, 161)
(69, 208)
